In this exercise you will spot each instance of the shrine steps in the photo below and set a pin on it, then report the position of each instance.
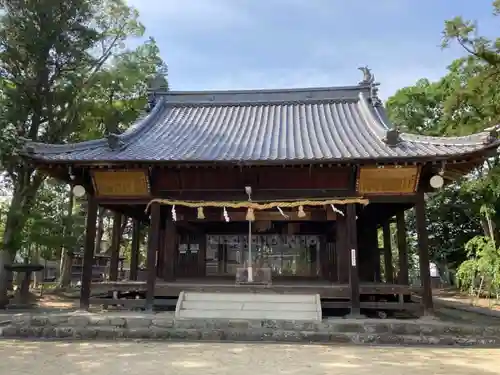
(244, 305)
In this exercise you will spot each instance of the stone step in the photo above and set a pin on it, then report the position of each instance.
(248, 306)
(244, 297)
(248, 314)
(253, 305)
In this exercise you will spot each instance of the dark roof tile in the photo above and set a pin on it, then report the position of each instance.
(323, 124)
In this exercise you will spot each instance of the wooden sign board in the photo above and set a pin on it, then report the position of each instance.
(387, 180)
(121, 184)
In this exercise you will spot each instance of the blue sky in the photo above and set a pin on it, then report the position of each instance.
(248, 44)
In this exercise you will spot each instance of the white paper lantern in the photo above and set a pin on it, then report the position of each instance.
(78, 191)
(436, 181)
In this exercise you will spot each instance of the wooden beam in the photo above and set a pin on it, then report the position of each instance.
(389, 269)
(115, 246)
(423, 253)
(134, 252)
(371, 234)
(402, 248)
(257, 194)
(154, 231)
(352, 250)
(341, 244)
(88, 255)
(170, 249)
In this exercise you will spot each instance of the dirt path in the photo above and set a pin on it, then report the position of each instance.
(48, 358)
(454, 295)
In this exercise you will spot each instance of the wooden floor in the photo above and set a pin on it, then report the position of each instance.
(325, 289)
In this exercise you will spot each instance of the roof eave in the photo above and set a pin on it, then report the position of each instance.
(485, 152)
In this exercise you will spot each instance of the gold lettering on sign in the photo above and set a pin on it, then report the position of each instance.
(124, 184)
(388, 180)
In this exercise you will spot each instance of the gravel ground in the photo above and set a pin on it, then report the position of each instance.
(145, 358)
(460, 316)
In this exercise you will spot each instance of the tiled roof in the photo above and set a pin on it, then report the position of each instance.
(319, 124)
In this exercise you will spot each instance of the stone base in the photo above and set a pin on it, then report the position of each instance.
(20, 306)
(164, 326)
(355, 316)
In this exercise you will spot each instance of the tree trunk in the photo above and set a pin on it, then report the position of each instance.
(8, 250)
(26, 187)
(36, 260)
(100, 229)
(67, 253)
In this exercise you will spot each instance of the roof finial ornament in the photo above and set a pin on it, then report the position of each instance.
(114, 141)
(376, 102)
(492, 135)
(392, 137)
(156, 84)
(368, 77)
(369, 80)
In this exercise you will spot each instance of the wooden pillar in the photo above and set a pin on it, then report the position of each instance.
(352, 253)
(389, 270)
(342, 248)
(154, 231)
(160, 259)
(115, 246)
(327, 260)
(372, 244)
(423, 254)
(88, 255)
(170, 250)
(134, 252)
(402, 249)
(202, 254)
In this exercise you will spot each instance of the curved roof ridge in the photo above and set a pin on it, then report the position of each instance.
(375, 122)
(142, 123)
(264, 91)
(466, 140)
(268, 96)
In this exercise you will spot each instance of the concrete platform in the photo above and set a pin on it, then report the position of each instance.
(295, 307)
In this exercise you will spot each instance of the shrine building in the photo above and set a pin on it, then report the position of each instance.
(268, 191)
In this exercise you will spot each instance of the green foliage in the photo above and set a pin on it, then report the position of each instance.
(466, 100)
(484, 262)
(46, 225)
(66, 75)
(466, 275)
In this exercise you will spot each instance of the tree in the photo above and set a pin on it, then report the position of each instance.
(54, 55)
(464, 101)
(484, 261)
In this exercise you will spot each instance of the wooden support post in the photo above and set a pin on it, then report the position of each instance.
(402, 249)
(160, 259)
(423, 254)
(154, 231)
(134, 252)
(115, 246)
(372, 244)
(342, 248)
(202, 256)
(170, 250)
(88, 255)
(389, 270)
(352, 251)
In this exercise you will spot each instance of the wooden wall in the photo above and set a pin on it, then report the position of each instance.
(260, 178)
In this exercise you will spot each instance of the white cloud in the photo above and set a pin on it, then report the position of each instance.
(251, 44)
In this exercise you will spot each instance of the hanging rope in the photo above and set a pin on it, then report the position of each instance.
(254, 205)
